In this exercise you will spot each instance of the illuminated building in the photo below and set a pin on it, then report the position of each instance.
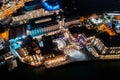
(82, 30)
(95, 19)
(11, 8)
(69, 22)
(106, 45)
(27, 49)
(106, 28)
(6, 56)
(51, 5)
(1, 43)
(29, 15)
(43, 36)
(29, 6)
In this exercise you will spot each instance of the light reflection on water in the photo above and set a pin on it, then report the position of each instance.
(83, 70)
(76, 69)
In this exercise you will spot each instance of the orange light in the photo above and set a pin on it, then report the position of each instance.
(117, 17)
(94, 15)
(5, 35)
(106, 28)
(82, 18)
(7, 11)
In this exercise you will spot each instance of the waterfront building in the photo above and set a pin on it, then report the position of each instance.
(106, 45)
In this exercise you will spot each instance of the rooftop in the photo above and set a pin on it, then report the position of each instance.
(84, 30)
(109, 41)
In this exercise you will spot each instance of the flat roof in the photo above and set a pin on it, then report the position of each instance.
(109, 41)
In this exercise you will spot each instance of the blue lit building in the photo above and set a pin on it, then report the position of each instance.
(29, 6)
(51, 5)
(38, 28)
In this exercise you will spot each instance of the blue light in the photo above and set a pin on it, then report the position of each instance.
(36, 32)
(49, 7)
(29, 8)
(23, 36)
(19, 42)
(28, 26)
(18, 38)
(31, 5)
(1, 63)
(16, 45)
(41, 44)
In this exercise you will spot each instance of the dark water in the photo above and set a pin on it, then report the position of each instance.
(86, 7)
(92, 70)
